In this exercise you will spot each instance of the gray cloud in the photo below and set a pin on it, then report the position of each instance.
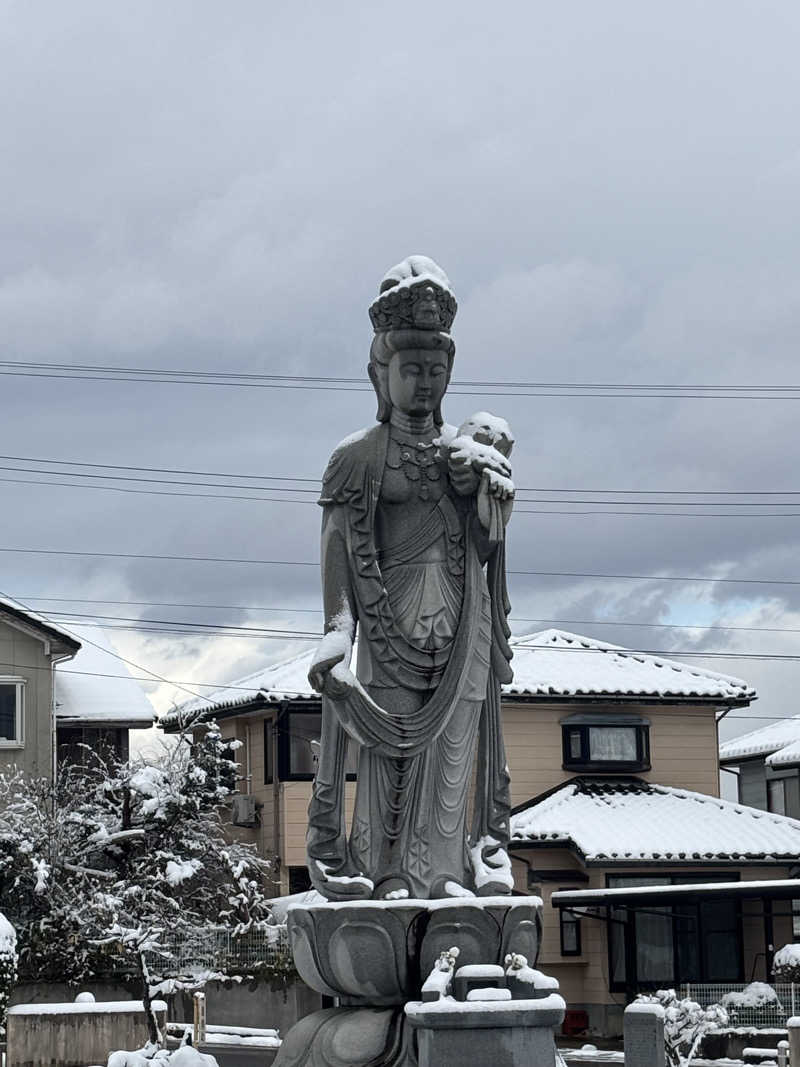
(610, 187)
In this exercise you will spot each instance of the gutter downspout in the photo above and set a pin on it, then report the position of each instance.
(276, 793)
(53, 707)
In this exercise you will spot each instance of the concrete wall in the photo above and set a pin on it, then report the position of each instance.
(73, 1039)
(235, 1005)
(23, 655)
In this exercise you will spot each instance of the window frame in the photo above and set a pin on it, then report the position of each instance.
(573, 920)
(19, 721)
(285, 773)
(628, 931)
(579, 727)
(269, 750)
(776, 785)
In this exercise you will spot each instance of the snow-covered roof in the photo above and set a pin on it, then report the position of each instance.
(38, 622)
(779, 742)
(627, 820)
(274, 684)
(95, 688)
(558, 663)
(551, 663)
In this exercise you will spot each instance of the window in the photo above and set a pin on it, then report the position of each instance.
(690, 941)
(299, 746)
(269, 750)
(299, 881)
(796, 920)
(570, 932)
(600, 742)
(776, 796)
(12, 693)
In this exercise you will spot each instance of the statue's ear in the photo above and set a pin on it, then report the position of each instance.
(379, 385)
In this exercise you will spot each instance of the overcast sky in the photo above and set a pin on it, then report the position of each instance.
(612, 189)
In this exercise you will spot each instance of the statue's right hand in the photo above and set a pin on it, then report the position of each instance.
(322, 680)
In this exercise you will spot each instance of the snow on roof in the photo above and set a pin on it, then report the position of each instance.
(557, 663)
(775, 738)
(33, 618)
(624, 820)
(96, 688)
(280, 681)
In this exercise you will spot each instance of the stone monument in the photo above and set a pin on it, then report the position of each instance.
(413, 563)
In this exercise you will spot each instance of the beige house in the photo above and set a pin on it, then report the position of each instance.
(30, 648)
(48, 715)
(615, 782)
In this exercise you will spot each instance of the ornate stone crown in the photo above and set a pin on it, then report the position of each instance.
(417, 305)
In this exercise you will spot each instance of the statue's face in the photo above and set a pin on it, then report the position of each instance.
(417, 380)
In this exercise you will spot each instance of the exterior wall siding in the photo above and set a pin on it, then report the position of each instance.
(23, 655)
(683, 746)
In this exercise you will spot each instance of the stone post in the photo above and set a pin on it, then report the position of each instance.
(644, 1035)
(793, 1026)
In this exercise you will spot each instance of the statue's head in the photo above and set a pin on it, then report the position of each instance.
(412, 353)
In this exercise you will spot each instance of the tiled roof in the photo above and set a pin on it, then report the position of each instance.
(630, 820)
(557, 663)
(780, 742)
(552, 663)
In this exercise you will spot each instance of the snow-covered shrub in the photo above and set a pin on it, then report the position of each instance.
(755, 995)
(786, 965)
(118, 862)
(8, 967)
(685, 1024)
(148, 1057)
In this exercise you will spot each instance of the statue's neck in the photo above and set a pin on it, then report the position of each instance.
(416, 425)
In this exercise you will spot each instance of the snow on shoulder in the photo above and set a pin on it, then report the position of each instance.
(558, 663)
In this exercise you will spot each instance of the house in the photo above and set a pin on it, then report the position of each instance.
(98, 702)
(615, 782)
(47, 712)
(30, 648)
(766, 763)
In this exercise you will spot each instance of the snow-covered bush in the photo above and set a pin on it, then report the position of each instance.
(181, 1057)
(119, 861)
(685, 1024)
(8, 967)
(786, 965)
(755, 995)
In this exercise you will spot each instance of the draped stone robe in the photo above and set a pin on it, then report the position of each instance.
(431, 610)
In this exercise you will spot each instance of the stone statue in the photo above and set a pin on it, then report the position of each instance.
(413, 560)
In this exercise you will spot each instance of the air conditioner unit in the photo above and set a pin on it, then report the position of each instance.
(243, 811)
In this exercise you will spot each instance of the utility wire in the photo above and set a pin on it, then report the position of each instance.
(307, 563)
(517, 511)
(317, 481)
(308, 384)
(318, 611)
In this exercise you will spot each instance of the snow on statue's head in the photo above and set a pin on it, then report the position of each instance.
(414, 309)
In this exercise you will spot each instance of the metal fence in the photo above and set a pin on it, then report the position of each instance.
(219, 950)
(772, 1013)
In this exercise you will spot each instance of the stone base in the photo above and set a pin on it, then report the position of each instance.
(374, 955)
(503, 1034)
(378, 952)
(349, 1037)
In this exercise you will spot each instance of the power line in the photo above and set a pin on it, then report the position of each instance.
(318, 611)
(517, 511)
(306, 563)
(612, 392)
(317, 481)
